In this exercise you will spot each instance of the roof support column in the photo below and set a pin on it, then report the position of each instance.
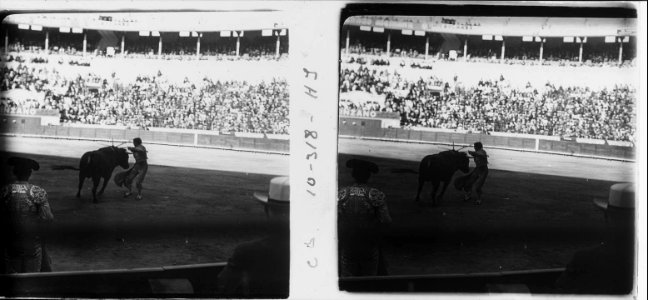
(503, 51)
(346, 49)
(198, 46)
(620, 51)
(122, 45)
(85, 43)
(277, 45)
(6, 41)
(465, 56)
(160, 47)
(580, 51)
(427, 46)
(388, 44)
(541, 49)
(238, 46)
(46, 42)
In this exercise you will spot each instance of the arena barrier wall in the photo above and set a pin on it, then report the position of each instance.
(521, 282)
(19, 123)
(187, 281)
(200, 280)
(30, 126)
(510, 142)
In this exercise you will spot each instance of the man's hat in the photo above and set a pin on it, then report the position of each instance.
(363, 165)
(278, 193)
(21, 163)
(622, 195)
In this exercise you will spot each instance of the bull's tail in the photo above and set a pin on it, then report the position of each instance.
(403, 171)
(64, 167)
(83, 164)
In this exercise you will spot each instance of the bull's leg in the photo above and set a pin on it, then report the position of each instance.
(443, 189)
(95, 184)
(81, 180)
(434, 192)
(420, 187)
(105, 182)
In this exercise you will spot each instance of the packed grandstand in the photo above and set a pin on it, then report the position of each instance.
(471, 82)
(225, 81)
(544, 86)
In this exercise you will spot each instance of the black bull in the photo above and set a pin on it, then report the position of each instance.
(100, 164)
(439, 168)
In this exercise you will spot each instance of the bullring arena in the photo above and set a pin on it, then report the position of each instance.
(216, 124)
(556, 117)
(537, 209)
(220, 135)
(197, 206)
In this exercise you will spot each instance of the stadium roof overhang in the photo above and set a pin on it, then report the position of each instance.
(159, 21)
(504, 26)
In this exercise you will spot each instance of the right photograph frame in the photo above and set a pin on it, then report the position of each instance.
(488, 149)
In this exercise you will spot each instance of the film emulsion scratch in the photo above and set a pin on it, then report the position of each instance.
(487, 153)
(150, 151)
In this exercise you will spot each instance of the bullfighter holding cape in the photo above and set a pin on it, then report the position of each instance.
(137, 172)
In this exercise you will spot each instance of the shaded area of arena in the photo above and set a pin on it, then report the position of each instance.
(527, 221)
(187, 216)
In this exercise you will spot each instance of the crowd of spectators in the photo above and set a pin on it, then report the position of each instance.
(60, 48)
(41, 59)
(522, 55)
(153, 101)
(382, 81)
(494, 105)
(144, 48)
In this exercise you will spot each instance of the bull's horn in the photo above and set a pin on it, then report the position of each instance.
(453, 146)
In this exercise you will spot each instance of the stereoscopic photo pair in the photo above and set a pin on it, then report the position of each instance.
(471, 140)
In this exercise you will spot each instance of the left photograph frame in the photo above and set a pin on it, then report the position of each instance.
(158, 149)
